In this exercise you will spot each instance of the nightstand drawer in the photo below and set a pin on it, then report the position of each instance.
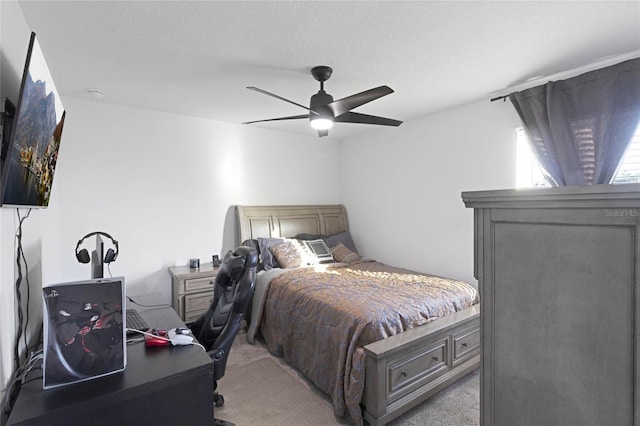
(465, 344)
(195, 284)
(197, 302)
(409, 371)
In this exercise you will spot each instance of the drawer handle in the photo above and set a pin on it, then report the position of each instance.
(403, 373)
(464, 344)
(210, 282)
(435, 358)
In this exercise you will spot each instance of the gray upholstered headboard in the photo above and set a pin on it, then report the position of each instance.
(289, 221)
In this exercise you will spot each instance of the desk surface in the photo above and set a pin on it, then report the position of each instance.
(161, 383)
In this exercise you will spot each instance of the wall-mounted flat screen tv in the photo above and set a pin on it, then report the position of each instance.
(34, 141)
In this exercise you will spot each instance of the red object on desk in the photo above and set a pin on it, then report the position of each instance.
(161, 340)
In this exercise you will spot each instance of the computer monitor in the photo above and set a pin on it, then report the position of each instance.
(84, 330)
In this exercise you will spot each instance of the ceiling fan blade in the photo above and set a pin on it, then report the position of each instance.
(355, 117)
(322, 133)
(292, 117)
(343, 105)
(264, 92)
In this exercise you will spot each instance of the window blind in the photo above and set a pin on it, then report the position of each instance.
(529, 173)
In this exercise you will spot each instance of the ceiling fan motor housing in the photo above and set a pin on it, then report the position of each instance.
(319, 103)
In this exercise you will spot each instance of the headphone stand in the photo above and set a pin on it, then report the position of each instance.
(97, 266)
(98, 257)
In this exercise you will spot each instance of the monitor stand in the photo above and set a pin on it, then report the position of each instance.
(97, 256)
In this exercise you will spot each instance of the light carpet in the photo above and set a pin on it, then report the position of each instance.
(268, 395)
(261, 389)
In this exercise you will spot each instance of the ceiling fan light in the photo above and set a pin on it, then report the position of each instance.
(321, 123)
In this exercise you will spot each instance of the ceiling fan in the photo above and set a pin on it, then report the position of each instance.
(324, 111)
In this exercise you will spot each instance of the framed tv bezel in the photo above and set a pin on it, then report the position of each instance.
(36, 69)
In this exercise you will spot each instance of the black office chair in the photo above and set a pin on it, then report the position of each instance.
(217, 328)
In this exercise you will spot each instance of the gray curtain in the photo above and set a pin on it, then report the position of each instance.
(579, 128)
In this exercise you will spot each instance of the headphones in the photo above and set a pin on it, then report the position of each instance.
(83, 255)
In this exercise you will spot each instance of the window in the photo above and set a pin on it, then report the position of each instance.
(529, 174)
(629, 170)
(528, 170)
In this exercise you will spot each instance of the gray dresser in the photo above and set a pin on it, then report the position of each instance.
(559, 279)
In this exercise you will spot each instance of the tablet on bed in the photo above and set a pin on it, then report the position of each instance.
(320, 249)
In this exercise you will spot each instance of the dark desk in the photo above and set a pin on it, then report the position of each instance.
(160, 386)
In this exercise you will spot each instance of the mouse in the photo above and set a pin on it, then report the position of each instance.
(179, 338)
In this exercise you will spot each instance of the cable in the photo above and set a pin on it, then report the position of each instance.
(26, 274)
(19, 256)
(16, 355)
(32, 379)
(161, 305)
(32, 362)
(109, 270)
(155, 336)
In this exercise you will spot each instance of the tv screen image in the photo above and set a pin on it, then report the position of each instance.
(34, 142)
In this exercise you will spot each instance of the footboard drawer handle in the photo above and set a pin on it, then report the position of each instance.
(435, 358)
(464, 344)
(403, 373)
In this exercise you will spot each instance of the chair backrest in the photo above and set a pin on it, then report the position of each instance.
(234, 285)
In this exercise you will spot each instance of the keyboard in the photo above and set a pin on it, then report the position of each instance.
(135, 321)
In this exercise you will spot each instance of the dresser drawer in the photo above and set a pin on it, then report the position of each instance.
(465, 344)
(195, 284)
(410, 371)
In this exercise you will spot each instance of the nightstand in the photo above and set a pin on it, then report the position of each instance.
(192, 290)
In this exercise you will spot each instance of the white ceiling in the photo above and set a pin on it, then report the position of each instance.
(196, 57)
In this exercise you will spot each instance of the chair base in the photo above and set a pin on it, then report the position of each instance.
(218, 399)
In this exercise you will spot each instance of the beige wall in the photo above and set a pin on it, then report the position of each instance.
(401, 187)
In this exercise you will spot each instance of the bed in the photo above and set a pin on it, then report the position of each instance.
(357, 328)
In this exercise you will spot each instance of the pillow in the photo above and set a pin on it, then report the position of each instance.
(288, 254)
(343, 254)
(252, 243)
(344, 238)
(268, 261)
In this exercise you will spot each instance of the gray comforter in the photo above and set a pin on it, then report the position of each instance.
(319, 318)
